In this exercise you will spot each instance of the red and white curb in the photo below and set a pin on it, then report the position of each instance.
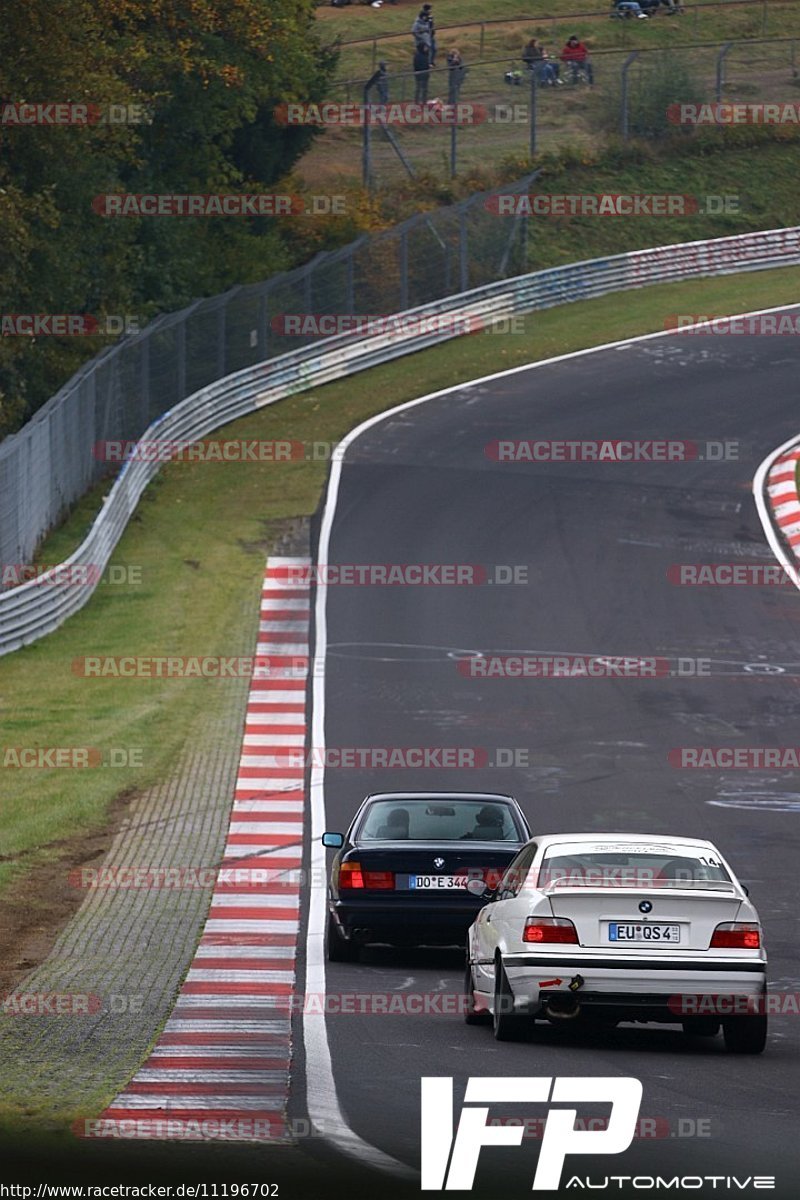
(784, 500)
(220, 1070)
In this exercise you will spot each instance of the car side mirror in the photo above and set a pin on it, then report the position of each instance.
(334, 841)
(477, 887)
(745, 889)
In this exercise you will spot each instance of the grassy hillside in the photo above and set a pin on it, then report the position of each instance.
(507, 25)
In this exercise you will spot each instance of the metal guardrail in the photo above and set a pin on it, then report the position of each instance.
(38, 607)
(57, 455)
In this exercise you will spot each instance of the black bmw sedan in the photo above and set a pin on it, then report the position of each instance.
(401, 872)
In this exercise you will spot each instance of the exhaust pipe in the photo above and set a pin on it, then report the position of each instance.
(561, 1006)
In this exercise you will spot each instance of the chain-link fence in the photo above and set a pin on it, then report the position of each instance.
(63, 450)
(503, 117)
(45, 602)
(481, 40)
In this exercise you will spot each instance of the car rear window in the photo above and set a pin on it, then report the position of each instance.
(439, 821)
(646, 866)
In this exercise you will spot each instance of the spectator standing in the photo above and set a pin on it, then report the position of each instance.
(428, 11)
(424, 30)
(455, 75)
(380, 82)
(422, 73)
(576, 56)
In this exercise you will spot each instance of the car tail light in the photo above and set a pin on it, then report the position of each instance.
(352, 875)
(736, 935)
(550, 929)
(380, 880)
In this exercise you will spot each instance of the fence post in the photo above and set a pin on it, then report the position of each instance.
(453, 89)
(404, 268)
(307, 274)
(182, 358)
(463, 251)
(534, 86)
(145, 379)
(351, 291)
(366, 165)
(263, 322)
(222, 316)
(721, 69)
(624, 94)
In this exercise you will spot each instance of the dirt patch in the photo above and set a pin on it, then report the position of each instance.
(282, 535)
(39, 903)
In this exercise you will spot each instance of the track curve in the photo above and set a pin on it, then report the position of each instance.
(597, 540)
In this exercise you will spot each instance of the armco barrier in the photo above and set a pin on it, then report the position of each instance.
(36, 608)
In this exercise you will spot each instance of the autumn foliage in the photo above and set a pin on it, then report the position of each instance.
(203, 77)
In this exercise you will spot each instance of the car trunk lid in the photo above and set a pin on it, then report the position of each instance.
(419, 870)
(667, 918)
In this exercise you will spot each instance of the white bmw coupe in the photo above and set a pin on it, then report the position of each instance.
(601, 928)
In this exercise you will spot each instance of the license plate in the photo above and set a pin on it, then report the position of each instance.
(436, 883)
(619, 931)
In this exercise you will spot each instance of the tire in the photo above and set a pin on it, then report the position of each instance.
(340, 950)
(506, 1025)
(745, 1035)
(703, 1027)
(471, 1016)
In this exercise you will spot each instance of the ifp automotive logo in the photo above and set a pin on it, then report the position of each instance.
(449, 1161)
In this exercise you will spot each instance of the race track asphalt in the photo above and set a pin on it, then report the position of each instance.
(597, 540)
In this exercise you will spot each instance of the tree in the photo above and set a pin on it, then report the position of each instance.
(206, 75)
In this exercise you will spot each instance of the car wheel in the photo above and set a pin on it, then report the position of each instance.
(507, 1026)
(471, 1015)
(700, 1026)
(745, 1035)
(339, 949)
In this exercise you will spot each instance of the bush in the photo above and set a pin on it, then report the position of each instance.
(657, 81)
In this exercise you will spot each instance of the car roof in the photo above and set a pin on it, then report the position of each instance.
(658, 839)
(503, 797)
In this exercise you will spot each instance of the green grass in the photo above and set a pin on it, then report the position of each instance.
(199, 537)
(579, 117)
(761, 178)
(508, 26)
(567, 117)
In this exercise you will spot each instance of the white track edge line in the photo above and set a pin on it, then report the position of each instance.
(322, 1101)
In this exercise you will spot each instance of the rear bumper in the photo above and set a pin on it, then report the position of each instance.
(651, 989)
(402, 922)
